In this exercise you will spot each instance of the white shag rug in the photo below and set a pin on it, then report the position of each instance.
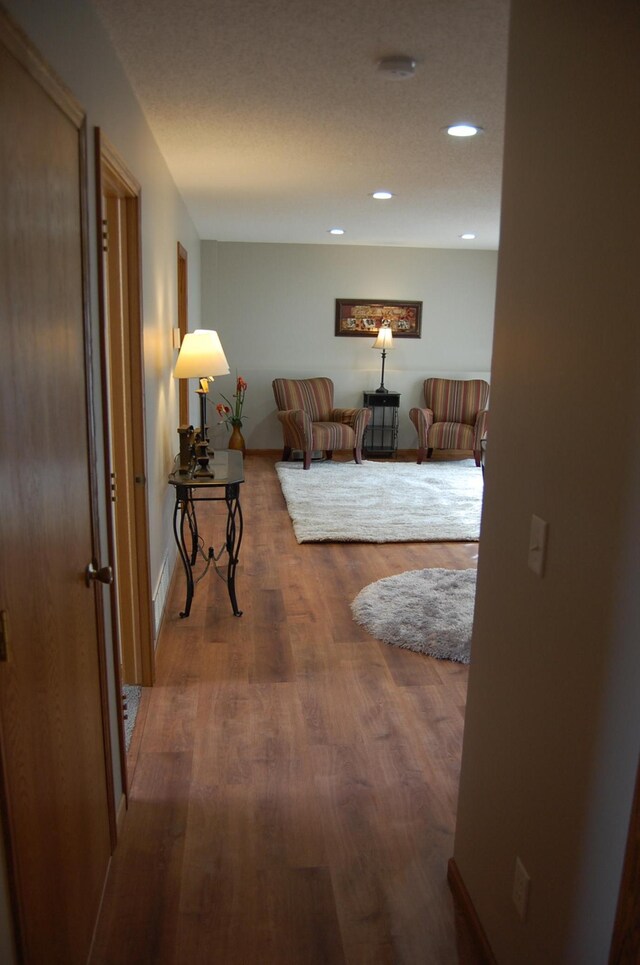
(429, 611)
(383, 502)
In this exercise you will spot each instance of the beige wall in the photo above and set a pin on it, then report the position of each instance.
(274, 307)
(553, 715)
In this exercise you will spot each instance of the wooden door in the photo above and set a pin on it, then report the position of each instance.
(123, 402)
(55, 777)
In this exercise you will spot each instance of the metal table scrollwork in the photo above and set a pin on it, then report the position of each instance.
(191, 488)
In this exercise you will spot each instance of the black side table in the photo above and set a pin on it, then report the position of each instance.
(223, 485)
(381, 435)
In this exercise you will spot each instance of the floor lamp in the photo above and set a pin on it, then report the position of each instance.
(384, 341)
(201, 357)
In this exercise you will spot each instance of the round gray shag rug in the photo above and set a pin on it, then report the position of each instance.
(429, 611)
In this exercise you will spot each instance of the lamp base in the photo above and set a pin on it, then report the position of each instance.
(382, 389)
(187, 435)
(202, 442)
(202, 460)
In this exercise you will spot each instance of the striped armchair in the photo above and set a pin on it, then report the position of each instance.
(455, 416)
(310, 422)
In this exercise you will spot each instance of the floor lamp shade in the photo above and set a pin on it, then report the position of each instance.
(384, 339)
(201, 355)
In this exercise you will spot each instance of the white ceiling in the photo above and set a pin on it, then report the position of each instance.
(276, 124)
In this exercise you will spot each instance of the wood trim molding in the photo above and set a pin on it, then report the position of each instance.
(118, 176)
(183, 325)
(113, 596)
(17, 42)
(113, 176)
(463, 901)
(625, 944)
(121, 814)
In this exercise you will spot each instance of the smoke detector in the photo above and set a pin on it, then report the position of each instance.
(397, 68)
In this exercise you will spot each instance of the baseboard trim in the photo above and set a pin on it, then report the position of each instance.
(462, 899)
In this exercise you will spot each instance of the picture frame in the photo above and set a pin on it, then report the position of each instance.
(362, 317)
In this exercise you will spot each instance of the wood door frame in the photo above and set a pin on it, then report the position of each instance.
(183, 325)
(625, 942)
(112, 174)
(18, 44)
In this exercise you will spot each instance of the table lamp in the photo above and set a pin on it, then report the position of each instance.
(201, 357)
(384, 341)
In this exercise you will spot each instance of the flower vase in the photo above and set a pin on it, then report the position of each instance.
(236, 440)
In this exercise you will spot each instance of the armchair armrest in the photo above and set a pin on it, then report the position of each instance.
(358, 419)
(422, 420)
(480, 429)
(297, 428)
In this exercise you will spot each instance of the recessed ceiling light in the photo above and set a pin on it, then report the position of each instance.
(397, 68)
(382, 195)
(463, 130)
(336, 231)
(467, 236)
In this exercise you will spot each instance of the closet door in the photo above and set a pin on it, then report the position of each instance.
(56, 792)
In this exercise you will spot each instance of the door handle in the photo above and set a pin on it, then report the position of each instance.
(102, 575)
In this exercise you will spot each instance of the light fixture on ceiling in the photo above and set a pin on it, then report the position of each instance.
(463, 130)
(467, 236)
(397, 68)
(382, 195)
(336, 231)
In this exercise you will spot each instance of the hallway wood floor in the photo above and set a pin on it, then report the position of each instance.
(293, 781)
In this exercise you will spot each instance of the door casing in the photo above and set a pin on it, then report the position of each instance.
(118, 199)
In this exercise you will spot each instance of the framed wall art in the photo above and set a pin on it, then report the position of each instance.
(364, 316)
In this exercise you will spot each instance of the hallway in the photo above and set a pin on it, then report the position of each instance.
(293, 782)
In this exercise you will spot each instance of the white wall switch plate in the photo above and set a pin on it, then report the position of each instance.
(538, 545)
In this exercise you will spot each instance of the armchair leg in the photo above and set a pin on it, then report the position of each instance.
(286, 453)
(357, 455)
(421, 454)
(429, 453)
(329, 453)
(307, 459)
(476, 456)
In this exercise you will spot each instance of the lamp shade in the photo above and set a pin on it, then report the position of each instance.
(384, 339)
(201, 354)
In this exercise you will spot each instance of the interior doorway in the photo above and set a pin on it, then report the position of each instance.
(183, 324)
(118, 197)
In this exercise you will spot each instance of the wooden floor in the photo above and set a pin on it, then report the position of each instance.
(293, 781)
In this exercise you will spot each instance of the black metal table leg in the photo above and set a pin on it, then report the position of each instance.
(182, 509)
(234, 539)
(193, 526)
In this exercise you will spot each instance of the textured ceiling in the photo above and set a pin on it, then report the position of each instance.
(276, 124)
